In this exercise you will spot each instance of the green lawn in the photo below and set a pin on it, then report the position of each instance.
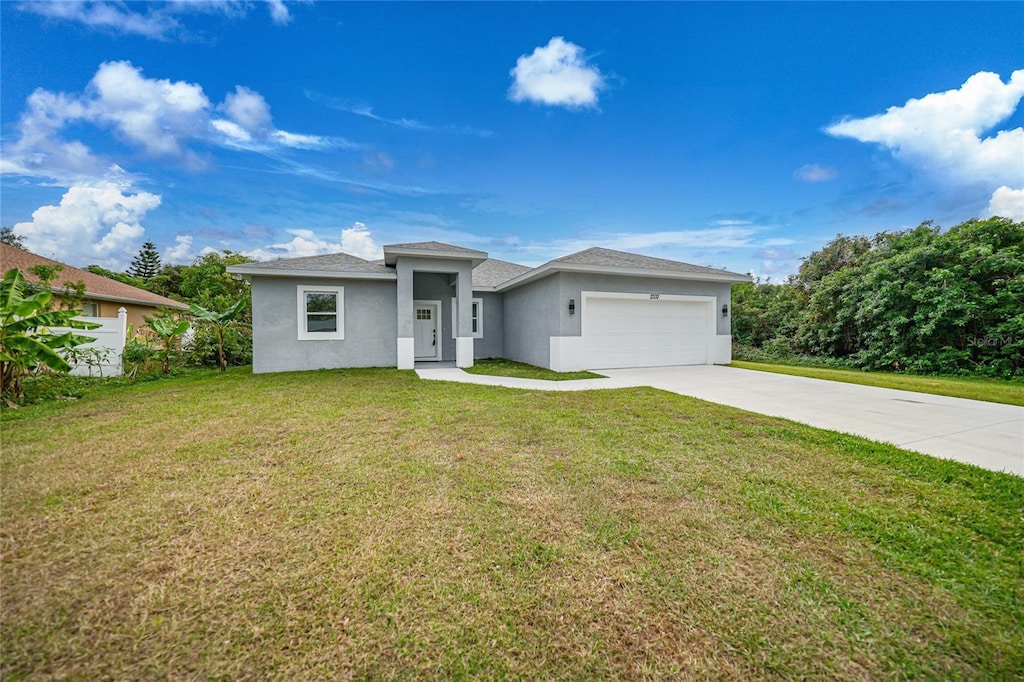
(510, 368)
(364, 523)
(975, 388)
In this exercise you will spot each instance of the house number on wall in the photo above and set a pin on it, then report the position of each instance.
(655, 297)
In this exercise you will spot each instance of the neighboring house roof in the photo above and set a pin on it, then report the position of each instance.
(328, 265)
(96, 286)
(433, 250)
(493, 272)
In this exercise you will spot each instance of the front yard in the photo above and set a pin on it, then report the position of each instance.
(364, 523)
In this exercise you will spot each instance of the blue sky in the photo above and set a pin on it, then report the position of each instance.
(736, 135)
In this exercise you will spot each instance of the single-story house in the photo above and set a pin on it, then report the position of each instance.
(103, 296)
(427, 301)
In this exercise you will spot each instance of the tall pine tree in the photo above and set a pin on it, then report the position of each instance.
(147, 263)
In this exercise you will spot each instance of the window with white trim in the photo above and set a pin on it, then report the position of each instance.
(321, 312)
(90, 309)
(477, 311)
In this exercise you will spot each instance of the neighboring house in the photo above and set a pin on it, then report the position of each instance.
(596, 309)
(103, 296)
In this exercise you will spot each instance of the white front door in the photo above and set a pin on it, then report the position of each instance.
(427, 342)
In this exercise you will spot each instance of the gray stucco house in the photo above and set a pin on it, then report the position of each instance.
(596, 309)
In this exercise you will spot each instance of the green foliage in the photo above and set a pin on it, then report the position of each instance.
(204, 347)
(116, 276)
(220, 323)
(8, 237)
(26, 344)
(919, 300)
(147, 263)
(169, 328)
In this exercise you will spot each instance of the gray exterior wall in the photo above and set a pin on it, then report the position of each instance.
(531, 319)
(491, 345)
(370, 326)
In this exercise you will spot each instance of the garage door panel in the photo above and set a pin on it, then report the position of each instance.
(630, 332)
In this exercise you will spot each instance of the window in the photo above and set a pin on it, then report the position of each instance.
(477, 308)
(321, 313)
(90, 309)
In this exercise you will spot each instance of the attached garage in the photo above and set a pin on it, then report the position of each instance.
(646, 330)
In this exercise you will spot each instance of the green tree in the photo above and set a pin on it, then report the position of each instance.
(8, 237)
(122, 277)
(219, 322)
(169, 328)
(26, 342)
(147, 263)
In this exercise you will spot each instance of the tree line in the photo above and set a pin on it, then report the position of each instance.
(921, 300)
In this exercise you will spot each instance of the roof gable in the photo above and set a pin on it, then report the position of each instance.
(96, 286)
(599, 256)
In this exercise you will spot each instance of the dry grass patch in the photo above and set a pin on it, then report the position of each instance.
(367, 524)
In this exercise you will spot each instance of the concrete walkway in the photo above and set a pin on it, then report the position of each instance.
(989, 435)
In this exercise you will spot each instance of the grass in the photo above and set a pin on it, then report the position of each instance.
(363, 523)
(510, 368)
(974, 388)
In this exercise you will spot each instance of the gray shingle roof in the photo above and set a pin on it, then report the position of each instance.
(434, 246)
(621, 259)
(493, 272)
(330, 262)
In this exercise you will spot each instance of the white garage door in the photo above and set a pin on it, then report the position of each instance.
(641, 332)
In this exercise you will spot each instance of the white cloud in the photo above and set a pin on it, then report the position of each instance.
(159, 21)
(1007, 203)
(556, 75)
(181, 252)
(358, 241)
(152, 113)
(159, 116)
(108, 16)
(248, 109)
(942, 132)
(92, 224)
(279, 12)
(812, 172)
(303, 243)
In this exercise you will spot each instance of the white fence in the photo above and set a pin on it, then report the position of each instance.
(105, 360)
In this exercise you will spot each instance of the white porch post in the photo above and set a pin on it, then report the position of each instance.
(464, 334)
(406, 344)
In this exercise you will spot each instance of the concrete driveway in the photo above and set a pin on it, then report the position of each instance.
(990, 435)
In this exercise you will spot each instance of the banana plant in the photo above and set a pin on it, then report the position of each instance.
(168, 329)
(26, 342)
(220, 321)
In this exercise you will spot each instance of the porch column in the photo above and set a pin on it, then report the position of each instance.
(406, 344)
(464, 300)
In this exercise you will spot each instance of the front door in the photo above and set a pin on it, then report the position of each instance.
(427, 344)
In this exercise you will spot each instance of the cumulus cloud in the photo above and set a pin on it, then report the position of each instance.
(153, 113)
(92, 224)
(303, 243)
(944, 133)
(158, 115)
(556, 74)
(1007, 203)
(248, 109)
(812, 172)
(181, 252)
(358, 241)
